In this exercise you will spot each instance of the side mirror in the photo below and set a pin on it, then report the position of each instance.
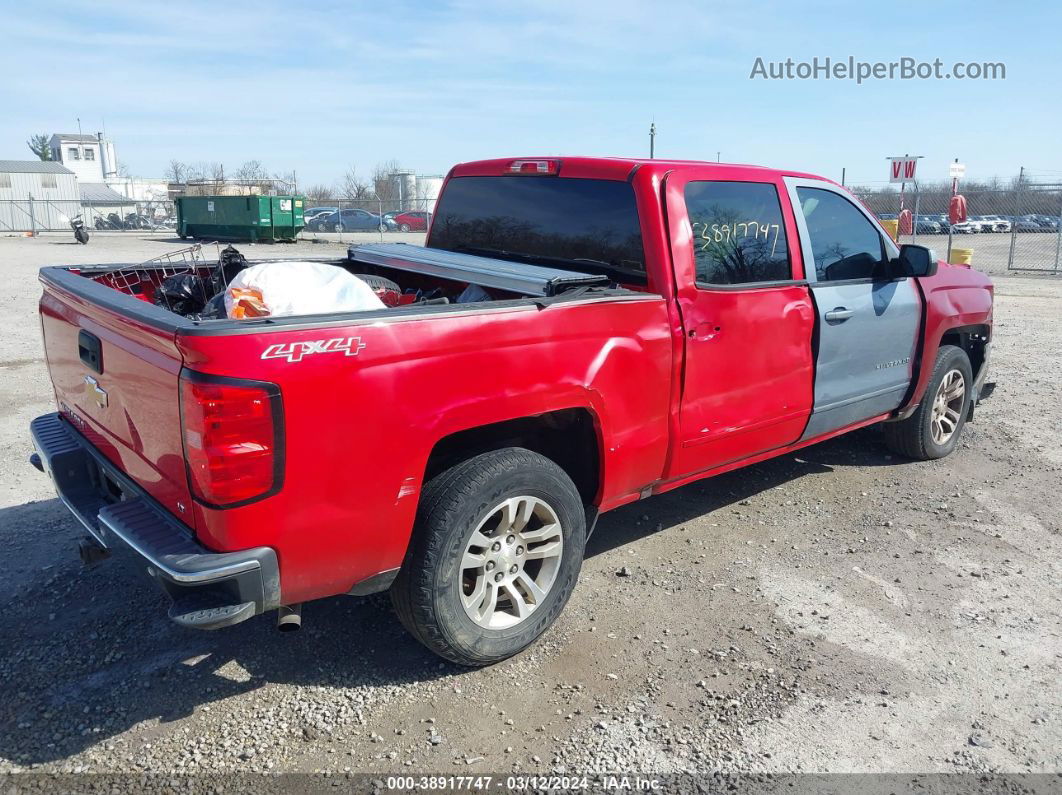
(915, 261)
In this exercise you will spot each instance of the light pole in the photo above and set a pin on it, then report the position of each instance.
(652, 140)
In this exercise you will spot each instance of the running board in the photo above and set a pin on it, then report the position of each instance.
(517, 277)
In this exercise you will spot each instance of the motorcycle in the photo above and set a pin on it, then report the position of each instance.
(81, 234)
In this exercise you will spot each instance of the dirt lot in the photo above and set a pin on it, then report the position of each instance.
(836, 610)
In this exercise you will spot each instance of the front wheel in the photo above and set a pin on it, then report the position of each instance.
(495, 554)
(337, 228)
(404, 228)
(933, 430)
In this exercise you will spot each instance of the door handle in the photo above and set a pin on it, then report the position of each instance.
(838, 315)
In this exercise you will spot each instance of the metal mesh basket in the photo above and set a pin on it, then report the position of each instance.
(145, 279)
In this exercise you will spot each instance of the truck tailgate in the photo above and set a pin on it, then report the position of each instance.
(116, 381)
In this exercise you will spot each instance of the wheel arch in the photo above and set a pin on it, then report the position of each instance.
(570, 437)
(972, 339)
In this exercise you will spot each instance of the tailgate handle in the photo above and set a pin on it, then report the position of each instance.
(90, 351)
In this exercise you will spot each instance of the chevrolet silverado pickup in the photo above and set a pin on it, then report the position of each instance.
(576, 334)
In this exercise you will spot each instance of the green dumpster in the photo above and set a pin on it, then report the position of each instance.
(255, 218)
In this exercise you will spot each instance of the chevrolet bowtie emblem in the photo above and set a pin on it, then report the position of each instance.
(95, 391)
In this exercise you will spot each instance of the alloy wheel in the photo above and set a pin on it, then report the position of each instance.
(510, 562)
(947, 407)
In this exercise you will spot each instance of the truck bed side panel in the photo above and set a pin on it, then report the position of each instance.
(360, 427)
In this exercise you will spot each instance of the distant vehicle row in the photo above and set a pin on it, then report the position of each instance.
(332, 219)
(977, 224)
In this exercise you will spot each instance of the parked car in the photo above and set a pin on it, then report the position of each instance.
(313, 217)
(1028, 225)
(415, 221)
(352, 220)
(413, 449)
(996, 223)
(928, 226)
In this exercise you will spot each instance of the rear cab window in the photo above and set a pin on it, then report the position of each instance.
(739, 235)
(583, 225)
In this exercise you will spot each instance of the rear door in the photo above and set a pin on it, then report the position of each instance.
(747, 317)
(867, 324)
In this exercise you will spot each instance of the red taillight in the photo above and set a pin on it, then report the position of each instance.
(233, 435)
(533, 167)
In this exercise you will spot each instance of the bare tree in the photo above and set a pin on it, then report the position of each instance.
(217, 174)
(38, 144)
(176, 171)
(354, 187)
(252, 171)
(320, 193)
(286, 182)
(387, 189)
(197, 170)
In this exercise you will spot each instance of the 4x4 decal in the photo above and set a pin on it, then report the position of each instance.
(295, 351)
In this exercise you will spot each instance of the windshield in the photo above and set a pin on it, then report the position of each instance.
(585, 225)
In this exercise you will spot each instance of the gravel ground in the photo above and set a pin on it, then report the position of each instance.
(836, 610)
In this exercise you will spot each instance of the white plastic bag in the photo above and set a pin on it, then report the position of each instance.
(301, 288)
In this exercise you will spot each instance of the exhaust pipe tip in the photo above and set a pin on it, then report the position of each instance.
(289, 618)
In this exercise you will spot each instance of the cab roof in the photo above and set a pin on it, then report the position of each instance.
(619, 168)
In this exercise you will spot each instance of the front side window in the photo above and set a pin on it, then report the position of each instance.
(845, 244)
(738, 232)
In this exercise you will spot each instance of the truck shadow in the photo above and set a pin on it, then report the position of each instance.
(90, 654)
(862, 448)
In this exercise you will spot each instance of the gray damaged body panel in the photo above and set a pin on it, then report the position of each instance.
(868, 335)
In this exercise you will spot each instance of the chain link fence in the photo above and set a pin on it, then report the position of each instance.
(50, 215)
(331, 217)
(1014, 228)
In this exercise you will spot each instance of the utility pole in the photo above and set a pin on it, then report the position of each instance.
(652, 140)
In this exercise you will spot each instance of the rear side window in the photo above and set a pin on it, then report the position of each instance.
(738, 234)
(845, 244)
(587, 225)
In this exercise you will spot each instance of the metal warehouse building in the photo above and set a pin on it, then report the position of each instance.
(36, 195)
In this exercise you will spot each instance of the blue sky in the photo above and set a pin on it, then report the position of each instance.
(321, 86)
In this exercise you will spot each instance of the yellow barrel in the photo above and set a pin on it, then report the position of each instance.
(961, 256)
(891, 227)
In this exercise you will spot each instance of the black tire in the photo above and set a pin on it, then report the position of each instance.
(913, 437)
(403, 228)
(82, 236)
(337, 228)
(427, 592)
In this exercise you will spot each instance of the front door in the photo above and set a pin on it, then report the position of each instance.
(747, 318)
(868, 324)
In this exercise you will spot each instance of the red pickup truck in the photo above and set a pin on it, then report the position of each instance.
(577, 334)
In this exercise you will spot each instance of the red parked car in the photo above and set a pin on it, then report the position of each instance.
(635, 325)
(414, 221)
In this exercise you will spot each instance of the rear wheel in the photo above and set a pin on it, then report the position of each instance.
(934, 429)
(495, 554)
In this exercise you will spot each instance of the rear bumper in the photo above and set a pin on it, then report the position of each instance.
(209, 589)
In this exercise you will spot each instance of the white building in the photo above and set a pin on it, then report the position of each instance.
(36, 195)
(93, 160)
(90, 157)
